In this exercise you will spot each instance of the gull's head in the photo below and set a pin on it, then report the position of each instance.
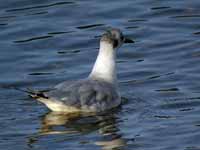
(115, 38)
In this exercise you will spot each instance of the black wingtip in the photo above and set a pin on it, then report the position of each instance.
(41, 95)
(30, 92)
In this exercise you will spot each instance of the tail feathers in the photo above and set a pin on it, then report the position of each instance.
(37, 94)
(52, 104)
(41, 97)
(30, 92)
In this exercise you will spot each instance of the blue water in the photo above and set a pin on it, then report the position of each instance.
(46, 42)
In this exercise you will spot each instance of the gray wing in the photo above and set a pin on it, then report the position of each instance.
(86, 94)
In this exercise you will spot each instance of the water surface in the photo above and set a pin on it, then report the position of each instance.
(46, 42)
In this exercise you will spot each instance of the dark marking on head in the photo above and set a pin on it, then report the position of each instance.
(113, 36)
(115, 43)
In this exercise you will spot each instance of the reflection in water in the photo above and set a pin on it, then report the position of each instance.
(105, 125)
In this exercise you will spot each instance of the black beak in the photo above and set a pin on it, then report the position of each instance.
(127, 40)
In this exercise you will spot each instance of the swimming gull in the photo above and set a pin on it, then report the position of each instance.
(96, 93)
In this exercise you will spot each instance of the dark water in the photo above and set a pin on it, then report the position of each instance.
(46, 42)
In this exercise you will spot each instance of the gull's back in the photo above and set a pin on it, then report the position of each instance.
(84, 95)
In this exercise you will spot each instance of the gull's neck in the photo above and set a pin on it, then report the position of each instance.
(105, 65)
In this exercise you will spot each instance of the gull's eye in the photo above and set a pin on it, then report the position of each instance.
(115, 43)
(122, 38)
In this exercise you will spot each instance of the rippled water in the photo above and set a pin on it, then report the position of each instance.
(46, 42)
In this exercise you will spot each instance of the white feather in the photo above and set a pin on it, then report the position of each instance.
(105, 65)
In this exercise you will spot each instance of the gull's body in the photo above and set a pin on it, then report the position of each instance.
(98, 92)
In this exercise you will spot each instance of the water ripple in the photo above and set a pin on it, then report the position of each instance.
(61, 32)
(168, 90)
(90, 26)
(186, 16)
(181, 105)
(158, 8)
(37, 13)
(3, 24)
(7, 17)
(40, 73)
(33, 39)
(39, 6)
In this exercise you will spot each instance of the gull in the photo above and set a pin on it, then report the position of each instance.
(96, 93)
